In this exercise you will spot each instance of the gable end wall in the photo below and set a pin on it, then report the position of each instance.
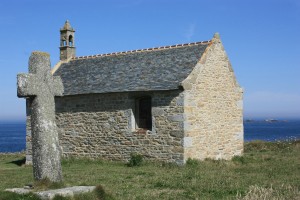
(213, 108)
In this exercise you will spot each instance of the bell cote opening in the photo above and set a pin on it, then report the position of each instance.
(70, 40)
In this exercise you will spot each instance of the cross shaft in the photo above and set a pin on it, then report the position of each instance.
(41, 88)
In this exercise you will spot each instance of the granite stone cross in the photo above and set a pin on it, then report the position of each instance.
(41, 88)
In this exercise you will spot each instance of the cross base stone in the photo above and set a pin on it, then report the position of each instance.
(50, 194)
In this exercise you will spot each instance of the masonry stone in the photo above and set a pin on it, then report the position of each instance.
(213, 107)
(103, 131)
(195, 104)
(40, 87)
(50, 194)
(187, 142)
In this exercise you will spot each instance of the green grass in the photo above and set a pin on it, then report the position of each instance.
(266, 170)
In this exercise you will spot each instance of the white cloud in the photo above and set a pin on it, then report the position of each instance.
(190, 31)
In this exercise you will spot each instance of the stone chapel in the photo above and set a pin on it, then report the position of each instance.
(166, 103)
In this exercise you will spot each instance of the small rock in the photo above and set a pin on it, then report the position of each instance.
(28, 186)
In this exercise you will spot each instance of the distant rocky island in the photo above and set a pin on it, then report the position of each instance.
(249, 120)
(271, 120)
(265, 120)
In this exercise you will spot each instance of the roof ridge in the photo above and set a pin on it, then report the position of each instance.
(142, 50)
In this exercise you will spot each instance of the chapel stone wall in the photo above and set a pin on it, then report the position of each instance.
(101, 125)
(213, 108)
(28, 134)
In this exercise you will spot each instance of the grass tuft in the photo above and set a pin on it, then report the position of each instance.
(46, 184)
(59, 197)
(135, 160)
(283, 192)
(102, 194)
(239, 159)
(192, 162)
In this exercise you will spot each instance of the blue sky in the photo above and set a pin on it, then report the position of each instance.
(261, 38)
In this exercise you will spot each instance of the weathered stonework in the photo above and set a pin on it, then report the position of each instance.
(50, 194)
(100, 125)
(212, 105)
(67, 45)
(196, 104)
(40, 87)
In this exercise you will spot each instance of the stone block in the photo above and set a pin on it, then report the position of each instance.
(240, 136)
(187, 142)
(239, 104)
(176, 118)
(50, 194)
(158, 111)
(178, 134)
(180, 101)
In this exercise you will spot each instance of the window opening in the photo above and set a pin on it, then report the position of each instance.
(143, 113)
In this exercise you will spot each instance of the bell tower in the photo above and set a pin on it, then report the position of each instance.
(67, 42)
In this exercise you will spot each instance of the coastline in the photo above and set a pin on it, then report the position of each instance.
(13, 133)
(13, 153)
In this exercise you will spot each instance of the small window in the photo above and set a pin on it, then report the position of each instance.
(143, 113)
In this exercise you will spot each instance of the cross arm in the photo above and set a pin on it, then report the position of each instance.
(26, 86)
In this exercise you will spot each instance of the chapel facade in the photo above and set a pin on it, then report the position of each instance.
(167, 103)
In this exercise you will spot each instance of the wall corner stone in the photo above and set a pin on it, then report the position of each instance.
(187, 142)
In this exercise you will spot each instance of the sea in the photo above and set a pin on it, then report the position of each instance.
(12, 134)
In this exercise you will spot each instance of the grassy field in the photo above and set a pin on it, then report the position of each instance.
(265, 171)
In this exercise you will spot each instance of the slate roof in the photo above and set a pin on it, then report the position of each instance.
(162, 68)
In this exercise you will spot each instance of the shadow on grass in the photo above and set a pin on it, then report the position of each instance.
(18, 162)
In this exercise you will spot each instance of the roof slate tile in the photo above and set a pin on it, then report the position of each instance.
(140, 70)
